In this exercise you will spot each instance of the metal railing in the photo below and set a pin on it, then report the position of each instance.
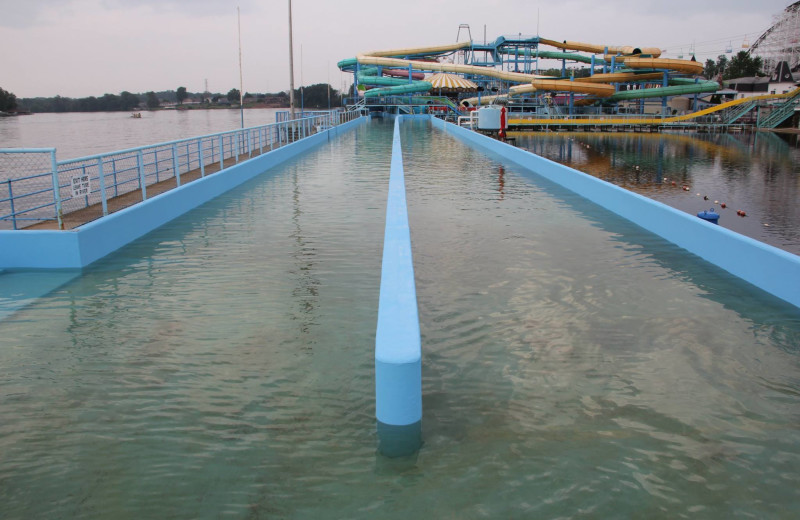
(35, 187)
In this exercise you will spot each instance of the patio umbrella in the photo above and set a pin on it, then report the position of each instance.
(450, 83)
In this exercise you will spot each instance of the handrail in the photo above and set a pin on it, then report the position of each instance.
(44, 193)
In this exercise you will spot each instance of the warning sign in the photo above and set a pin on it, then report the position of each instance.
(81, 185)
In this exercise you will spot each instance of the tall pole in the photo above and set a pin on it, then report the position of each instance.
(241, 83)
(291, 66)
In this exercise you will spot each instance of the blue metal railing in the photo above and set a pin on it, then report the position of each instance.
(64, 187)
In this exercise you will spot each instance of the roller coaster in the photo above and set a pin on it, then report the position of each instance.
(604, 85)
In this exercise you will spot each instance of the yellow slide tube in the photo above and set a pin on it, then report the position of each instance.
(687, 66)
(562, 85)
(599, 49)
(422, 50)
(516, 77)
(622, 77)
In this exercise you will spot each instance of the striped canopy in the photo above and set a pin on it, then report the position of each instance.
(451, 83)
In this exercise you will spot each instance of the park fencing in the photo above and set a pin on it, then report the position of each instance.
(38, 191)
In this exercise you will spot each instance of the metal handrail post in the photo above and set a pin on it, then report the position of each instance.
(142, 180)
(56, 188)
(11, 200)
(236, 149)
(175, 165)
(221, 153)
(201, 158)
(102, 180)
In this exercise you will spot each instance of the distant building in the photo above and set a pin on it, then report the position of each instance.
(781, 81)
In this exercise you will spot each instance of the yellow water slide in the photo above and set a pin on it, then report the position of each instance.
(516, 77)
(565, 85)
(601, 49)
(687, 66)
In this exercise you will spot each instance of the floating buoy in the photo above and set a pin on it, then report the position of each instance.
(741, 213)
(767, 225)
(705, 197)
(710, 215)
(716, 202)
(723, 205)
(686, 188)
(673, 183)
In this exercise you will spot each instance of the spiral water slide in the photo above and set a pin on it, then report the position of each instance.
(639, 68)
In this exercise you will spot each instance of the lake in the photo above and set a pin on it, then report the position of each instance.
(754, 173)
(78, 134)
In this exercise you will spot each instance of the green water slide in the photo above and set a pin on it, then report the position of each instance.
(407, 88)
(370, 79)
(683, 86)
(551, 55)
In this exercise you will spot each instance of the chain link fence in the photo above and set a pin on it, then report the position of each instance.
(27, 179)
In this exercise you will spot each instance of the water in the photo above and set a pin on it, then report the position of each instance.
(756, 173)
(573, 365)
(79, 134)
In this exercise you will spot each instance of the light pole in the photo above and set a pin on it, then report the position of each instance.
(291, 66)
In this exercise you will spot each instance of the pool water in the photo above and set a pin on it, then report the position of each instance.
(573, 364)
(758, 173)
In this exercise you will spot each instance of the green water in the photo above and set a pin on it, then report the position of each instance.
(573, 366)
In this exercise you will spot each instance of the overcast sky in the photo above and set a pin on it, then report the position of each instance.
(80, 48)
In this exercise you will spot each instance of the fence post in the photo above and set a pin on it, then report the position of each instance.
(175, 165)
(236, 149)
(102, 178)
(142, 180)
(11, 200)
(56, 188)
(221, 152)
(114, 172)
(201, 158)
(260, 142)
(155, 161)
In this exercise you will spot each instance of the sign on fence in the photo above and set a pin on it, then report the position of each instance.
(81, 185)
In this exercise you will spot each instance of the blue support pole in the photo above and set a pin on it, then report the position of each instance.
(664, 83)
(175, 166)
(200, 157)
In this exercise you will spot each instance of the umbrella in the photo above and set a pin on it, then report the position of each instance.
(451, 83)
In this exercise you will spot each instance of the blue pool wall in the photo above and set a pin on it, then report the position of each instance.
(398, 347)
(774, 270)
(76, 249)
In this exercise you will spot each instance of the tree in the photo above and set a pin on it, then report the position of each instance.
(181, 94)
(128, 101)
(743, 65)
(717, 68)
(233, 95)
(8, 101)
(316, 96)
(152, 100)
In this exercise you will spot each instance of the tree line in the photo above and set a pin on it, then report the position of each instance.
(739, 66)
(312, 96)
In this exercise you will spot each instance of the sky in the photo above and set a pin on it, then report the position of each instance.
(81, 48)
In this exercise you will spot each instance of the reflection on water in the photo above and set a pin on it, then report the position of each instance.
(573, 365)
(756, 173)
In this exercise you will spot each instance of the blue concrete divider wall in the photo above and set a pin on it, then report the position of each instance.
(398, 349)
(78, 248)
(769, 268)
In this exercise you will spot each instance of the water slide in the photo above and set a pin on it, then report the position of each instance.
(608, 50)
(638, 68)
